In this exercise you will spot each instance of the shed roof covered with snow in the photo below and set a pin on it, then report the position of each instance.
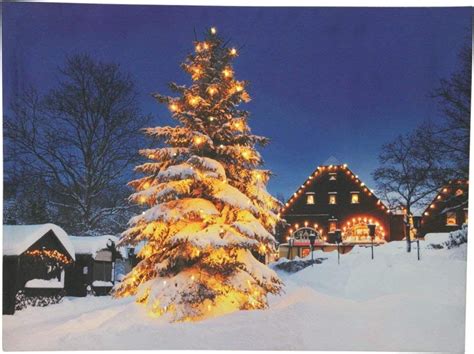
(18, 238)
(94, 244)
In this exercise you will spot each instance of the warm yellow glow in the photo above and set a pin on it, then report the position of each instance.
(246, 154)
(196, 72)
(142, 200)
(198, 47)
(212, 90)
(213, 30)
(233, 51)
(205, 45)
(53, 254)
(198, 140)
(238, 125)
(227, 72)
(174, 107)
(432, 206)
(193, 100)
(239, 87)
(146, 185)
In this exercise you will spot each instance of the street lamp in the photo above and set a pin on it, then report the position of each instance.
(338, 239)
(291, 241)
(372, 236)
(312, 241)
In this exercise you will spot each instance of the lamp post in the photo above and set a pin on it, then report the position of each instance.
(291, 241)
(418, 247)
(372, 236)
(312, 241)
(338, 239)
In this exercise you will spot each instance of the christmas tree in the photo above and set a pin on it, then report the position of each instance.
(208, 211)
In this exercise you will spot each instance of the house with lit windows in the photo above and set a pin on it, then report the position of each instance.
(334, 198)
(449, 209)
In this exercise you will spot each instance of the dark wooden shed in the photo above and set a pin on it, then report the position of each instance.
(94, 269)
(34, 261)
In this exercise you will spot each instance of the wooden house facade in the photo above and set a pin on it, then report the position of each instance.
(35, 258)
(449, 209)
(94, 268)
(334, 198)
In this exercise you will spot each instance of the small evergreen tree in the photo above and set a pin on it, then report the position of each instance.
(208, 208)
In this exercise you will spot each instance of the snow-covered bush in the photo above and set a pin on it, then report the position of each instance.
(296, 265)
(457, 238)
(22, 300)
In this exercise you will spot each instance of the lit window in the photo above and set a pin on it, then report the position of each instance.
(332, 199)
(332, 176)
(332, 226)
(355, 198)
(309, 198)
(451, 218)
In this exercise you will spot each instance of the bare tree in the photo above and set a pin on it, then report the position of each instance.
(454, 97)
(410, 171)
(81, 138)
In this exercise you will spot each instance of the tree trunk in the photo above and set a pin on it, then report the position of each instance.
(407, 229)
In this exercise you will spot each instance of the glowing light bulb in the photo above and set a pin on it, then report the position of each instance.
(213, 30)
(198, 140)
(142, 200)
(212, 90)
(233, 51)
(174, 107)
(193, 101)
(227, 73)
(239, 88)
(246, 155)
(198, 47)
(205, 46)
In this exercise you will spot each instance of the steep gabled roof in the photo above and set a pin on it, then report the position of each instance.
(18, 238)
(322, 169)
(444, 191)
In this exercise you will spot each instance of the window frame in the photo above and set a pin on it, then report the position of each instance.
(358, 197)
(330, 196)
(449, 216)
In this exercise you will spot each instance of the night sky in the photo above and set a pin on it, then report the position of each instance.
(324, 81)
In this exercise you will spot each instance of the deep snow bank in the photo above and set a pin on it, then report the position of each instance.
(393, 303)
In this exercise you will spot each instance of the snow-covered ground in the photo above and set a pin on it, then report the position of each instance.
(393, 303)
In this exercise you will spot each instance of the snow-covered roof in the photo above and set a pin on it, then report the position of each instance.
(18, 238)
(93, 244)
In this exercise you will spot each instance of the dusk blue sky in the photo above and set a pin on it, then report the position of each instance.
(324, 81)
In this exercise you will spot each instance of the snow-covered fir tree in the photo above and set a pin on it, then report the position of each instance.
(208, 210)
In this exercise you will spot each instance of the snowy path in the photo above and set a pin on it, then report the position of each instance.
(393, 303)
